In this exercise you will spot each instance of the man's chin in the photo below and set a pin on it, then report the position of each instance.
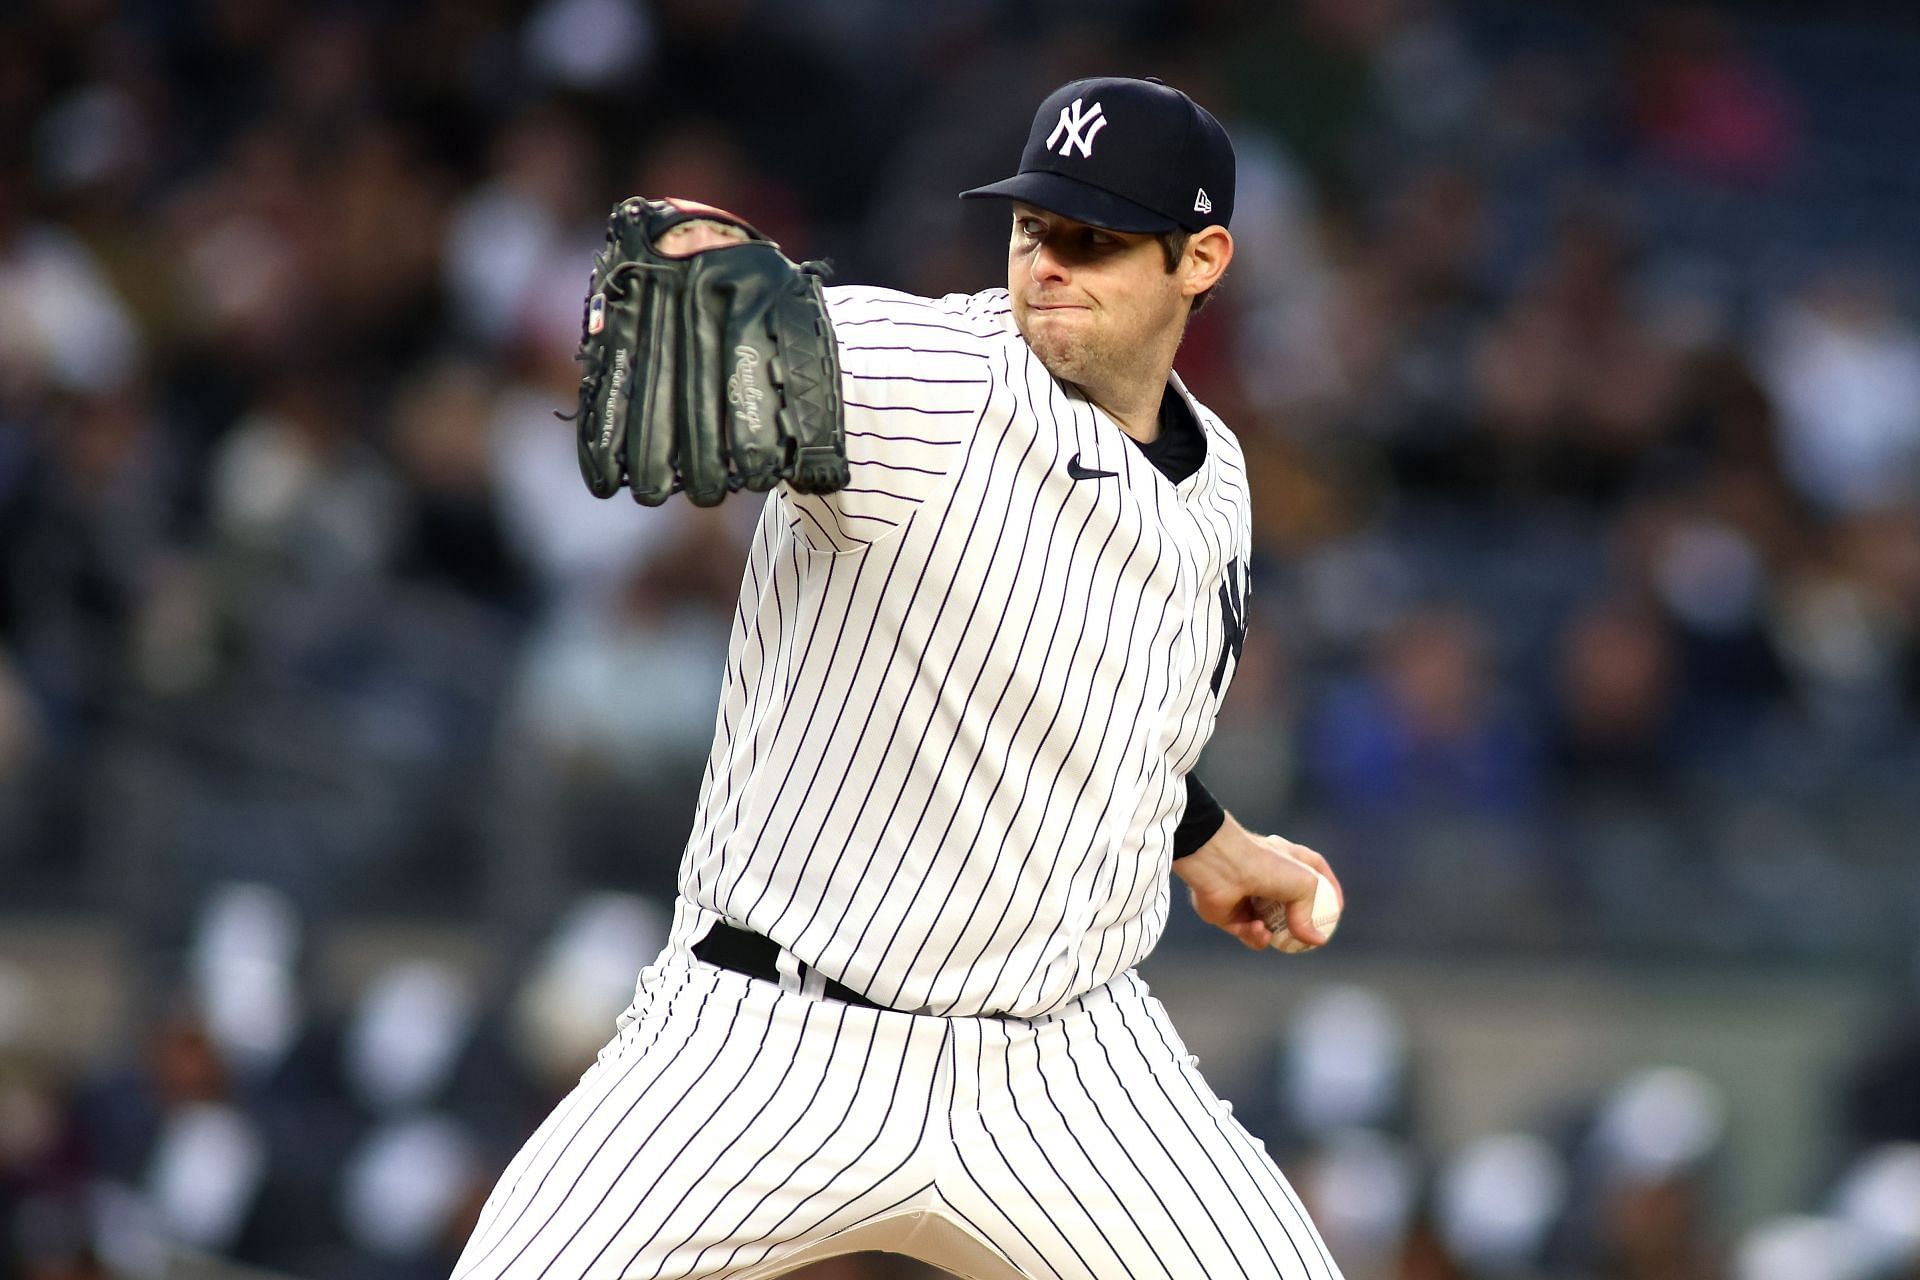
(1054, 348)
(1060, 358)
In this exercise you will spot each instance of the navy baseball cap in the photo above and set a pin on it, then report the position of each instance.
(1127, 155)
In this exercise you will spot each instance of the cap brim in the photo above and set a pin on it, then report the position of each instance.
(1073, 198)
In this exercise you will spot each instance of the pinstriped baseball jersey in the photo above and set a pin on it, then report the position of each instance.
(961, 695)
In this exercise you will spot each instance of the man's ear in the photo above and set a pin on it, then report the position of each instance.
(1208, 252)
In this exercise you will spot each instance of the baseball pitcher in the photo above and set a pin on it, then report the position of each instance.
(996, 595)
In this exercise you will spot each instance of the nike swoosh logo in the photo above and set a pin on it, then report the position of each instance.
(1077, 472)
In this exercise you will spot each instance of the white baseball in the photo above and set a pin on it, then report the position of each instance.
(1326, 917)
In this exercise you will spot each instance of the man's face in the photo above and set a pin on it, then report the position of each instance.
(1091, 303)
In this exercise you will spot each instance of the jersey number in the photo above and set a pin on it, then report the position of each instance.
(1233, 621)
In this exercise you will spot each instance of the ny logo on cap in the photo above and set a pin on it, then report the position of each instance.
(1072, 121)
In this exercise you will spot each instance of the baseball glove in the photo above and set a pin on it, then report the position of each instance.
(707, 373)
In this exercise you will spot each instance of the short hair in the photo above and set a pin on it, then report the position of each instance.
(1173, 244)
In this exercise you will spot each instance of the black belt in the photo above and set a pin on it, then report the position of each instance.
(731, 947)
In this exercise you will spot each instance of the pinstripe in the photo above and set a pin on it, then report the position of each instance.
(918, 351)
(860, 731)
(495, 1228)
(572, 1200)
(787, 703)
(720, 1199)
(906, 324)
(1256, 1178)
(534, 1195)
(930, 382)
(1126, 1089)
(920, 745)
(926, 1119)
(996, 1195)
(897, 439)
(773, 928)
(894, 466)
(1071, 1127)
(1052, 635)
(653, 1177)
(872, 1083)
(757, 582)
(1130, 912)
(1037, 977)
(1250, 1154)
(1194, 725)
(973, 765)
(814, 520)
(838, 517)
(908, 408)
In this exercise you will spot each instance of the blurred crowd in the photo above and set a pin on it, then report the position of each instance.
(1587, 447)
(1571, 352)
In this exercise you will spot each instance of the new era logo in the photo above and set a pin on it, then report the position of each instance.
(1079, 126)
(1201, 204)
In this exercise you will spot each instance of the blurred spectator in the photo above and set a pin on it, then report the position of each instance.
(581, 982)
(63, 328)
(43, 1161)
(1305, 72)
(1362, 1189)
(619, 698)
(1844, 366)
(1881, 1194)
(1704, 567)
(169, 1136)
(1704, 104)
(19, 744)
(1426, 729)
(452, 535)
(536, 213)
(1848, 622)
(86, 493)
(297, 497)
(1575, 387)
(244, 970)
(1808, 1247)
(1498, 1200)
(588, 44)
(1878, 1102)
(1617, 698)
(1344, 1066)
(1434, 780)
(1644, 1191)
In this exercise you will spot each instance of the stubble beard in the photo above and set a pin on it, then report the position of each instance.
(1073, 358)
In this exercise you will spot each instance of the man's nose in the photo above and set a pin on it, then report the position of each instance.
(1046, 265)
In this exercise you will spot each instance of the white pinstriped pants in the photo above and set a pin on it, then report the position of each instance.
(735, 1129)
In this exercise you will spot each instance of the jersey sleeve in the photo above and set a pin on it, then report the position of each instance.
(915, 378)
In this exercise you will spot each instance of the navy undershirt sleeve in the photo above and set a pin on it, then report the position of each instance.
(1201, 822)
